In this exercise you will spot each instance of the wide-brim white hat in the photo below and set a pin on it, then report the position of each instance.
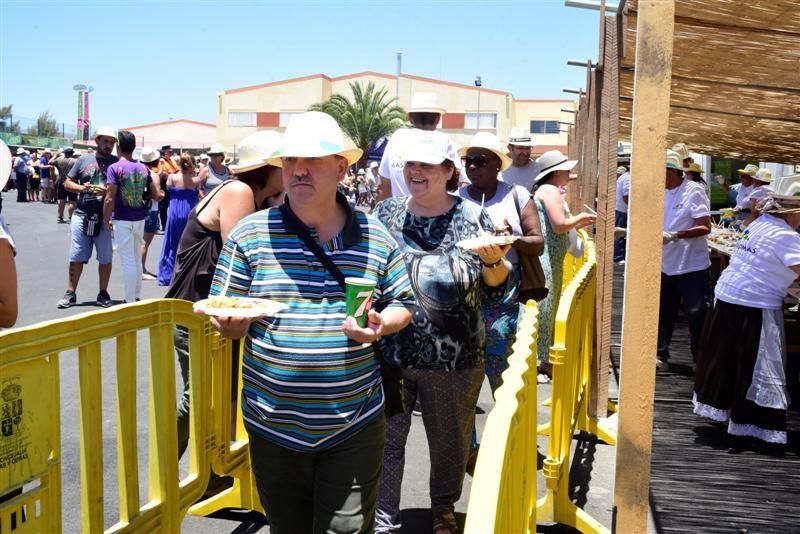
(551, 161)
(487, 141)
(520, 137)
(674, 161)
(787, 190)
(5, 164)
(256, 149)
(216, 148)
(763, 176)
(425, 103)
(314, 134)
(149, 155)
(682, 150)
(749, 169)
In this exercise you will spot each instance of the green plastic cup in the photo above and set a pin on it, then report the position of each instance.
(358, 298)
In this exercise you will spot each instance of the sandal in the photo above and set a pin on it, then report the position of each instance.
(445, 524)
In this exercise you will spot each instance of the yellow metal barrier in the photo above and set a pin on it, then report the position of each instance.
(30, 440)
(503, 497)
(571, 356)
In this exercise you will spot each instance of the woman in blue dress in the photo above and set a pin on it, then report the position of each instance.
(183, 196)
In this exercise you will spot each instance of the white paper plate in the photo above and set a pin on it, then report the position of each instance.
(265, 308)
(481, 241)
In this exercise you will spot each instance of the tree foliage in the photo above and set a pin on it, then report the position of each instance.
(366, 118)
(7, 124)
(46, 126)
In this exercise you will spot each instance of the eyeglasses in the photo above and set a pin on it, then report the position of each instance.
(479, 161)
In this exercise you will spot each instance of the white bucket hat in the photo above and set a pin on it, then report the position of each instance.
(430, 147)
(763, 175)
(553, 160)
(520, 137)
(425, 103)
(256, 149)
(749, 170)
(216, 148)
(106, 131)
(21, 151)
(488, 141)
(5, 164)
(314, 134)
(149, 155)
(674, 161)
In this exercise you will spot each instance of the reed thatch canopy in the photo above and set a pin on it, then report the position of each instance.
(735, 78)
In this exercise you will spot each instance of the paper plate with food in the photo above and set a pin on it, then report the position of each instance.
(488, 239)
(238, 307)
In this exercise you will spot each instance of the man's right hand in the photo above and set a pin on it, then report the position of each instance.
(232, 327)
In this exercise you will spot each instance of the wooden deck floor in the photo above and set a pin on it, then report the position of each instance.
(699, 483)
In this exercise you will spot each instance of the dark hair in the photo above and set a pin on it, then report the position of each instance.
(152, 164)
(452, 182)
(256, 178)
(424, 118)
(187, 161)
(69, 152)
(126, 141)
(543, 180)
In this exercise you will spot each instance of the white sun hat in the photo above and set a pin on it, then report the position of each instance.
(21, 151)
(216, 148)
(763, 175)
(373, 165)
(621, 170)
(520, 137)
(674, 161)
(204, 157)
(682, 150)
(256, 149)
(106, 131)
(553, 160)
(5, 164)
(430, 147)
(314, 134)
(488, 141)
(787, 188)
(425, 103)
(749, 170)
(149, 155)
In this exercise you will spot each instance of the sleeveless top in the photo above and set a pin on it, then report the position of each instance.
(213, 179)
(196, 261)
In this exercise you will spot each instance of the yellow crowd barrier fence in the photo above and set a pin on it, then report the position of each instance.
(571, 357)
(503, 497)
(30, 442)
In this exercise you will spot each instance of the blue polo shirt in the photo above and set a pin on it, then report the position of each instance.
(306, 386)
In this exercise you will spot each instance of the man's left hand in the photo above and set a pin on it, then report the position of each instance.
(372, 332)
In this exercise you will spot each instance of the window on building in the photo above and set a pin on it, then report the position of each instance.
(242, 118)
(545, 127)
(286, 116)
(488, 121)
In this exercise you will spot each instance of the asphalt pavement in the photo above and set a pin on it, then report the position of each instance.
(42, 261)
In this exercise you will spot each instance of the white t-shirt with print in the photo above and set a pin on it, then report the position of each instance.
(759, 192)
(392, 163)
(760, 269)
(506, 204)
(623, 190)
(682, 206)
(743, 197)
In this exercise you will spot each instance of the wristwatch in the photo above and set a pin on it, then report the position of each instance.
(492, 265)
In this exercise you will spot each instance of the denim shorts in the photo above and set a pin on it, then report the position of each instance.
(80, 250)
(151, 222)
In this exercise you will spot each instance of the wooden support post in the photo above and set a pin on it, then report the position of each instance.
(606, 196)
(655, 28)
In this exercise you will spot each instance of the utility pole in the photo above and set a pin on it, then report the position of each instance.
(478, 84)
(397, 83)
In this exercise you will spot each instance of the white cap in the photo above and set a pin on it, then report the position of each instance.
(106, 131)
(430, 147)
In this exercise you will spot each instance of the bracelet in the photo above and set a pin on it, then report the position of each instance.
(492, 265)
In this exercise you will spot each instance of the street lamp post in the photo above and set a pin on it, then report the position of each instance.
(478, 84)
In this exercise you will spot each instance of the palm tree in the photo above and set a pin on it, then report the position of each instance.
(365, 119)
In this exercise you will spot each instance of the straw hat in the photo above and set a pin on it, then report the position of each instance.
(149, 155)
(694, 167)
(520, 137)
(749, 170)
(674, 161)
(787, 190)
(216, 148)
(106, 131)
(621, 170)
(21, 151)
(256, 149)
(430, 147)
(763, 175)
(682, 150)
(5, 164)
(314, 134)
(425, 103)
(488, 141)
(551, 161)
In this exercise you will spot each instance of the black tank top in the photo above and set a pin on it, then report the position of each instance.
(196, 262)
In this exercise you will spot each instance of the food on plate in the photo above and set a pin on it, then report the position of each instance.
(231, 302)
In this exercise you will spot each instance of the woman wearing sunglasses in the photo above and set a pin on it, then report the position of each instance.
(512, 212)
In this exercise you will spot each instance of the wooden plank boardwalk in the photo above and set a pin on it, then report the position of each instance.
(699, 483)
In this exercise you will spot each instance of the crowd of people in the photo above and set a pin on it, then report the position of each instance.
(290, 220)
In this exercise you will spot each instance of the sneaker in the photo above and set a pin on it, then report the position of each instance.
(417, 410)
(104, 299)
(69, 299)
(147, 275)
(61, 220)
(662, 365)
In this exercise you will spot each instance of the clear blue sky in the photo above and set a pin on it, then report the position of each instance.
(152, 60)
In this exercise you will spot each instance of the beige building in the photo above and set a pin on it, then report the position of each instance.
(270, 106)
(180, 134)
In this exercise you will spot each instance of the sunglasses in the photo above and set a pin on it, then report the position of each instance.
(479, 161)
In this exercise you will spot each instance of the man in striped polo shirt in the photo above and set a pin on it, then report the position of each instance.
(312, 398)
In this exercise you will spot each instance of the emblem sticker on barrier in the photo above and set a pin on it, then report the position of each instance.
(26, 412)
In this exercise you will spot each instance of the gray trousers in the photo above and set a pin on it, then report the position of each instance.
(181, 339)
(448, 400)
